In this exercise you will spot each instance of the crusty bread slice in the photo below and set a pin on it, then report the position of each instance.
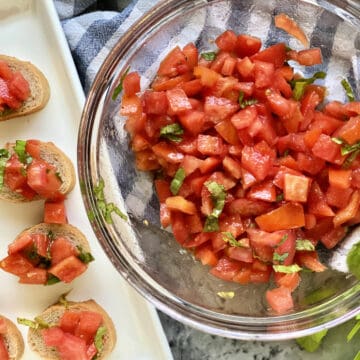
(39, 87)
(53, 155)
(52, 315)
(13, 340)
(76, 237)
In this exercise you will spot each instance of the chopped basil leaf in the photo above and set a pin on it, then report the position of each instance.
(353, 260)
(226, 294)
(211, 224)
(4, 157)
(63, 300)
(218, 195)
(85, 257)
(51, 235)
(312, 342)
(299, 85)
(248, 102)
(177, 181)
(319, 295)
(20, 150)
(357, 356)
(287, 269)
(172, 132)
(119, 88)
(304, 245)
(37, 323)
(52, 279)
(241, 97)
(349, 91)
(279, 197)
(351, 158)
(244, 103)
(98, 339)
(280, 257)
(229, 238)
(348, 149)
(283, 239)
(288, 48)
(353, 331)
(209, 56)
(106, 208)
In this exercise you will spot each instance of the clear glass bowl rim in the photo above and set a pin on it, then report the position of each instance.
(246, 328)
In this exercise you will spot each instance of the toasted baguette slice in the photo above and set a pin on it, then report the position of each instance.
(52, 316)
(76, 237)
(53, 155)
(13, 339)
(39, 88)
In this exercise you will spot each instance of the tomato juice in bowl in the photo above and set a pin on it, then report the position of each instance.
(145, 253)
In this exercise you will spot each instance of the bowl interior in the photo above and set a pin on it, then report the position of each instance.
(147, 255)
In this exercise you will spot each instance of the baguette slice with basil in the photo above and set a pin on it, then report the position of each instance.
(51, 317)
(51, 154)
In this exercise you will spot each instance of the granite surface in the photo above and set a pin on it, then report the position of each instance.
(187, 343)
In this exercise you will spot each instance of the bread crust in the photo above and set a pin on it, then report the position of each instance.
(13, 340)
(39, 87)
(53, 155)
(53, 313)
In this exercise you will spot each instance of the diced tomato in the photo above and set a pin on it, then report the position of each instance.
(264, 191)
(206, 255)
(288, 216)
(210, 145)
(340, 178)
(227, 131)
(68, 269)
(69, 321)
(226, 41)
(240, 254)
(131, 106)
(296, 188)
(350, 131)
(245, 67)
(208, 77)
(168, 152)
(180, 204)
(178, 101)
(248, 207)
(349, 211)
(193, 121)
(280, 300)
(55, 212)
(275, 54)
(310, 260)
(338, 197)
(218, 108)
(257, 163)
(179, 228)
(317, 204)
(19, 86)
(5, 71)
(333, 237)
(309, 57)
(225, 268)
(32, 147)
(284, 22)
(244, 118)
(20, 243)
(35, 276)
(3, 350)
(328, 150)
(41, 242)
(60, 249)
(264, 72)
(155, 102)
(87, 326)
(16, 264)
(174, 63)
(191, 54)
(232, 166)
(131, 83)
(247, 45)
(290, 281)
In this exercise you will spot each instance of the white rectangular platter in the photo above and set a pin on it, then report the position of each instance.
(30, 30)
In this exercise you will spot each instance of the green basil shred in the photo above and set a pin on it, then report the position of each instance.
(4, 157)
(299, 85)
(20, 149)
(304, 245)
(244, 103)
(353, 260)
(105, 208)
(177, 181)
(98, 340)
(209, 56)
(172, 132)
(37, 323)
(348, 90)
(229, 238)
(287, 269)
(354, 330)
(119, 88)
(85, 257)
(52, 279)
(218, 195)
(280, 258)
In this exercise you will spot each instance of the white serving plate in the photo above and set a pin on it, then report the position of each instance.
(30, 30)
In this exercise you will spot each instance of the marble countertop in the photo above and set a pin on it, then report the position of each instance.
(187, 343)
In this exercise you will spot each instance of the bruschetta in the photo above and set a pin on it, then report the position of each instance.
(24, 88)
(33, 170)
(11, 340)
(72, 330)
(46, 254)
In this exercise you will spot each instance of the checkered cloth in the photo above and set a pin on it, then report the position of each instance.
(92, 30)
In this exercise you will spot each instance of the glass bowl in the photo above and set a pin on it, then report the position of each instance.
(146, 255)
